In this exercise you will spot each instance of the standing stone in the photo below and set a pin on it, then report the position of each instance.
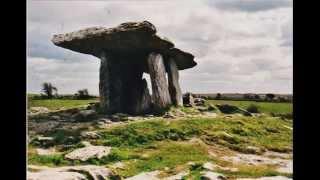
(160, 91)
(142, 97)
(174, 87)
(104, 83)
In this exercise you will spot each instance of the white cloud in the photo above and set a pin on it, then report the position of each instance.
(250, 5)
(68, 77)
(237, 49)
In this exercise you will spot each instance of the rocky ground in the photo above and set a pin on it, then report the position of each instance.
(198, 142)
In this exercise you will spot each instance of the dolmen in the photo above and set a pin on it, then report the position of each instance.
(126, 52)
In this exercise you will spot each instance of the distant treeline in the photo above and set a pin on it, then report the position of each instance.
(269, 97)
(49, 91)
(64, 96)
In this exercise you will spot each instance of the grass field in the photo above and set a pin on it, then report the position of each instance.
(53, 104)
(158, 144)
(265, 107)
(168, 145)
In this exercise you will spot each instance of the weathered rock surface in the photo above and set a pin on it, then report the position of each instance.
(208, 166)
(127, 37)
(50, 151)
(273, 154)
(42, 127)
(267, 178)
(85, 115)
(184, 60)
(212, 176)
(160, 92)
(178, 176)
(93, 106)
(199, 101)
(88, 152)
(70, 173)
(43, 141)
(188, 100)
(38, 110)
(55, 175)
(145, 176)
(173, 81)
(122, 88)
(284, 165)
(130, 37)
(90, 135)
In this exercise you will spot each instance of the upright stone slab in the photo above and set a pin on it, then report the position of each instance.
(104, 83)
(142, 98)
(160, 92)
(121, 84)
(173, 81)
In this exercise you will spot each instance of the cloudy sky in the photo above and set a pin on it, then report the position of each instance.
(240, 45)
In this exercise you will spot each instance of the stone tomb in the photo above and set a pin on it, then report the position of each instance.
(126, 52)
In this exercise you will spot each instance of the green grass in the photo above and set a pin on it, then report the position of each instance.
(264, 107)
(54, 104)
(235, 133)
(168, 154)
(156, 144)
(47, 160)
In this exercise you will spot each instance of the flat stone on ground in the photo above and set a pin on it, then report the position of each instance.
(69, 173)
(145, 176)
(208, 175)
(267, 178)
(284, 165)
(49, 151)
(88, 152)
(178, 176)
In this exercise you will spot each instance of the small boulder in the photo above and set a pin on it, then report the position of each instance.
(90, 135)
(212, 176)
(168, 115)
(199, 101)
(88, 152)
(105, 121)
(39, 110)
(71, 111)
(119, 117)
(85, 115)
(93, 106)
(50, 151)
(188, 100)
(43, 141)
(55, 118)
